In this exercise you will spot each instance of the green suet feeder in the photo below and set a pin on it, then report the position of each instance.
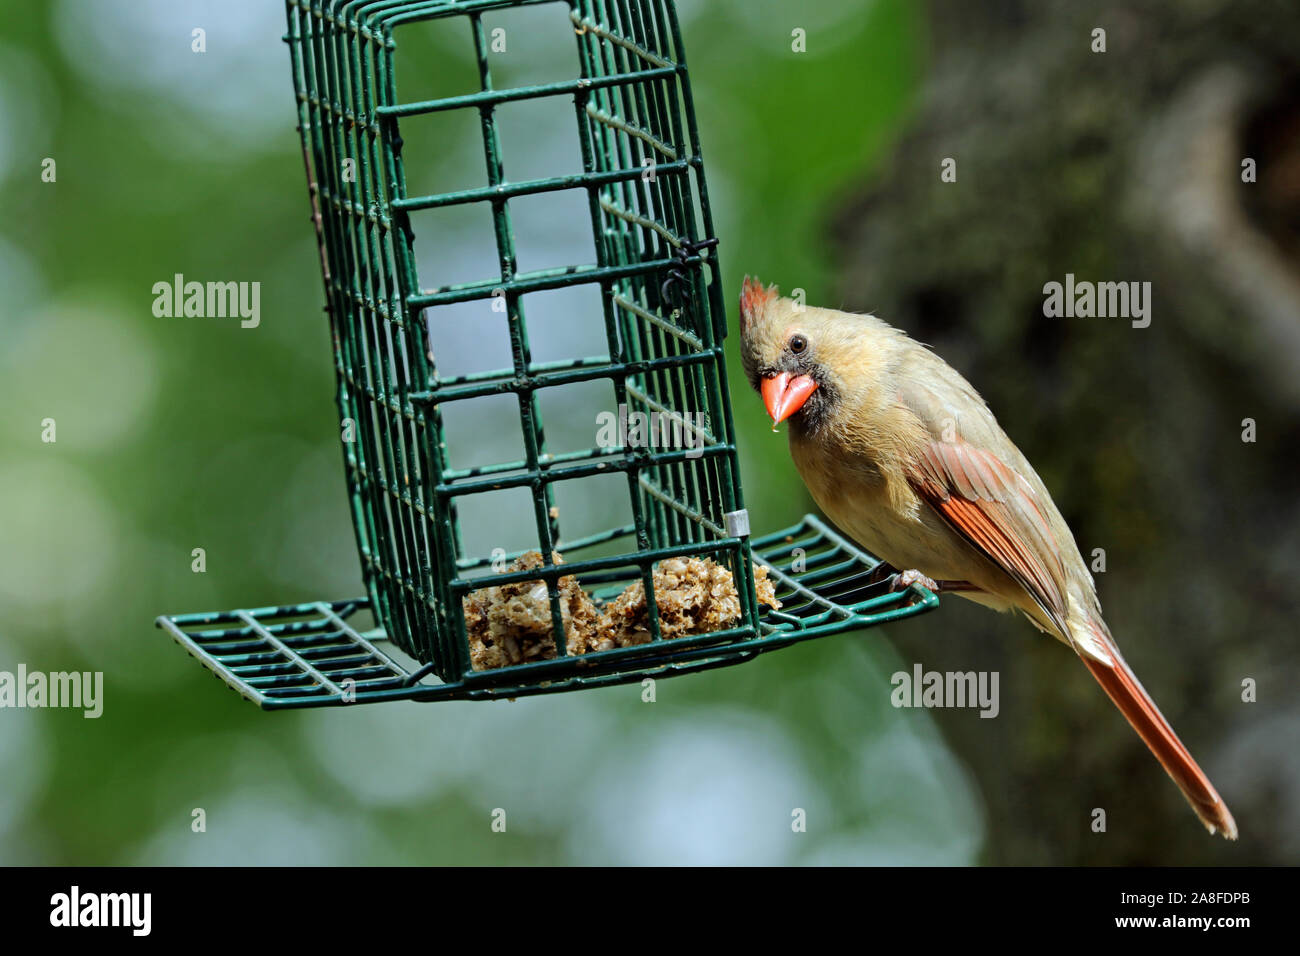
(661, 302)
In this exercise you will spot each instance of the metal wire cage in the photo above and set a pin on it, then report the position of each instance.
(656, 272)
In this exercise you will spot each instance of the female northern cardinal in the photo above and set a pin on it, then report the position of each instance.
(902, 453)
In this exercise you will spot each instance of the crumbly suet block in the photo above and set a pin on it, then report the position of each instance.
(511, 623)
(693, 595)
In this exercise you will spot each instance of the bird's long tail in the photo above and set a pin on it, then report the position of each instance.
(1122, 686)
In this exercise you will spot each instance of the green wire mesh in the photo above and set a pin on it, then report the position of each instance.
(656, 272)
(632, 113)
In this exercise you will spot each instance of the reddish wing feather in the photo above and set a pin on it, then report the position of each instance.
(994, 509)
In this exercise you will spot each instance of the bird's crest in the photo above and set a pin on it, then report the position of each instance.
(754, 297)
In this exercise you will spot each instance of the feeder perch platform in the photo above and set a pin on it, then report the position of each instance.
(313, 655)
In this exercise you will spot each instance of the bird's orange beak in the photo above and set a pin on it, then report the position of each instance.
(785, 394)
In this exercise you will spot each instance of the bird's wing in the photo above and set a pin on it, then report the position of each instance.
(973, 476)
(995, 509)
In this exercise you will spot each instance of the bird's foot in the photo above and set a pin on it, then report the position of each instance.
(905, 579)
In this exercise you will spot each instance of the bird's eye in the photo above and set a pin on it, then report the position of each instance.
(797, 344)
